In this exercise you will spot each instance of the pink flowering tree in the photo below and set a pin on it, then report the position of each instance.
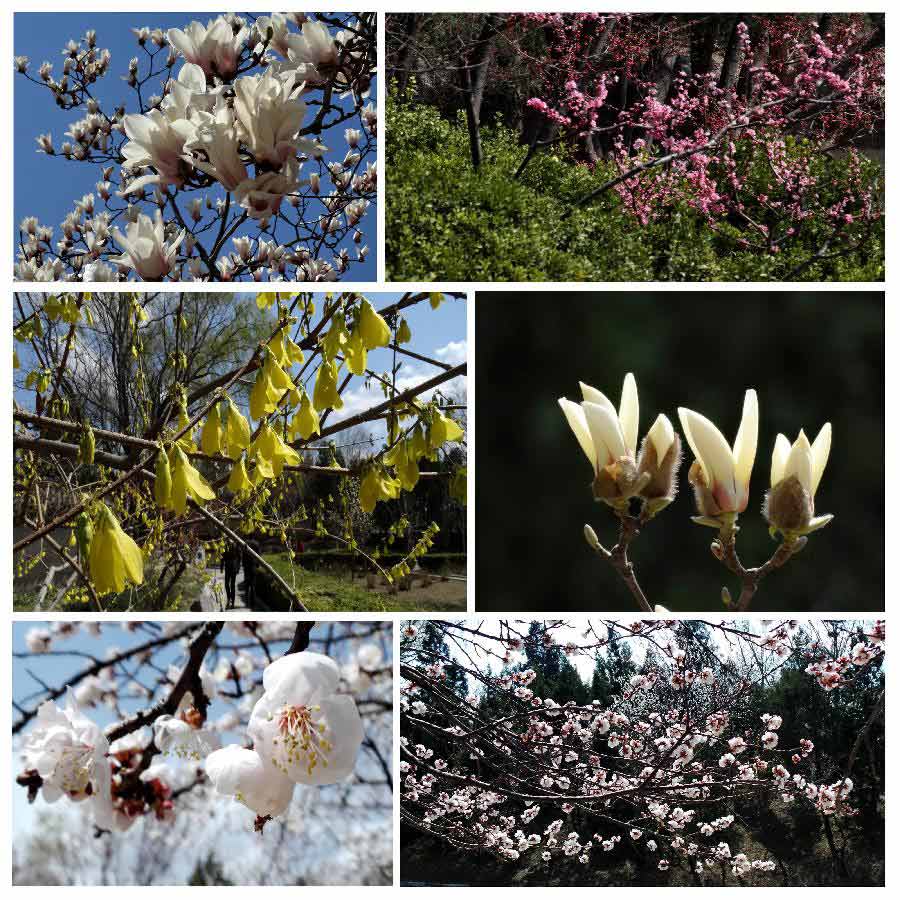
(734, 121)
(255, 726)
(246, 153)
(676, 758)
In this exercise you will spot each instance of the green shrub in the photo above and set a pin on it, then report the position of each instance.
(446, 222)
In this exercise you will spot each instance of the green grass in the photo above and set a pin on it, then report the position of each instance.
(328, 593)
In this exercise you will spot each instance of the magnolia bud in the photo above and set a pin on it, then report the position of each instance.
(591, 537)
(788, 506)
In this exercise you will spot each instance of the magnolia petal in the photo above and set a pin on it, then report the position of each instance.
(745, 443)
(711, 450)
(780, 454)
(799, 462)
(592, 395)
(818, 522)
(629, 413)
(606, 433)
(662, 436)
(821, 448)
(578, 423)
(301, 678)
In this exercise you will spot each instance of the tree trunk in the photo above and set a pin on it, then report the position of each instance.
(474, 66)
(731, 66)
(412, 22)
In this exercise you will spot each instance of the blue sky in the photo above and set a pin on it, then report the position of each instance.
(437, 333)
(56, 670)
(47, 187)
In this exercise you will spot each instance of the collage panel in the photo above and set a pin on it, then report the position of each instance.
(685, 454)
(267, 452)
(553, 146)
(653, 753)
(195, 147)
(202, 753)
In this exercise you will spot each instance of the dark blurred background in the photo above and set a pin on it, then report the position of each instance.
(812, 357)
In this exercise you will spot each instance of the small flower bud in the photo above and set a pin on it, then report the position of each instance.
(591, 537)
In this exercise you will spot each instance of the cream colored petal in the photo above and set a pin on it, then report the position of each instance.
(592, 395)
(710, 448)
(821, 447)
(745, 443)
(629, 413)
(575, 417)
(799, 462)
(780, 454)
(661, 435)
(605, 432)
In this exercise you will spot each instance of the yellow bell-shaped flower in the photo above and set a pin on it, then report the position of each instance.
(377, 485)
(375, 331)
(306, 421)
(408, 472)
(187, 482)
(211, 433)
(336, 337)
(443, 429)
(325, 393)
(238, 482)
(186, 442)
(355, 353)
(114, 557)
(237, 431)
(162, 484)
(435, 299)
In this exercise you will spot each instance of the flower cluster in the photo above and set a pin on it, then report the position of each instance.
(230, 144)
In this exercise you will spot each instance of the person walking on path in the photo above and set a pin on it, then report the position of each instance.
(231, 564)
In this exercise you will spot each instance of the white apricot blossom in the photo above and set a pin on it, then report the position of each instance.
(242, 774)
(301, 726)
(69, 752)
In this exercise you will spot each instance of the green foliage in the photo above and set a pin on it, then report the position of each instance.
(447, 222)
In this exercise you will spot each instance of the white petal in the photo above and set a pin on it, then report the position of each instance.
(592, 395)
(745, 443)
(662, 435)
(629, 413)
(575, 417)
(606, 432)
(242, 774)
(301, 678)
(821, 447)
(711, 450)
(780, 453)
(799, 462)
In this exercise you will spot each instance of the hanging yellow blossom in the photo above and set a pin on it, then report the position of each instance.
(306, 421)
(237, 431)
(238, 482)
(187, 482)
(114, 559)
(325, 392)
(375, 331)
(211, 434)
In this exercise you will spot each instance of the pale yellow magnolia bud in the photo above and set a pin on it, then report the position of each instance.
(591, 537)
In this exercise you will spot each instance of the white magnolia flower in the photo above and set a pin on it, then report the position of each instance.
(261, 196)
(604, 434)
(795, 475)
(242, 774)
(301, 726)
(215, 48)
(156, 140)
(721, 474)
(145, 247)
(215, 136)
(314, 46)
(69, 752)
(269, 116)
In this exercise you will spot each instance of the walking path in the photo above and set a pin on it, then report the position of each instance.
(213, 597)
